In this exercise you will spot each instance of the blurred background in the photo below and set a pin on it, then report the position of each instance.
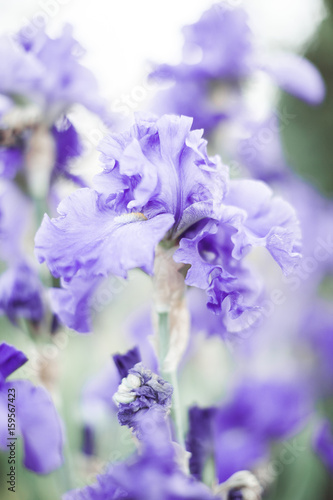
(122, 40)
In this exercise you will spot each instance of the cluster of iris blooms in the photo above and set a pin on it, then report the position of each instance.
(163, 204)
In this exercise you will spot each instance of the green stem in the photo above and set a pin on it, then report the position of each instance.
(163, 337)
(177, 409)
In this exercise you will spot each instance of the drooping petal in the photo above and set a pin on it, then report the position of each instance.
(73, 302)
(99, 240)
(39, 426)
(296, 75)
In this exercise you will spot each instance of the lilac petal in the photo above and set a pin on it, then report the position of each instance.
(223, 39)
(296, 75)
(235, 450)
(153, 474)
(21, 294)
(40, 427)
(63, 80)
(10, 359)
(15, 213)
(189, 253)
(252, 419)
(68, 145)
(100, 240)
(230, 286)
(262, 220)
(11, 160)
(159, 166)
(20, 71)
(190, 99)
(73, 302)
(261, 151)
(98, 392)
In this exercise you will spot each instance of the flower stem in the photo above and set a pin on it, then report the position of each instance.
(177, 409)
(163, 337)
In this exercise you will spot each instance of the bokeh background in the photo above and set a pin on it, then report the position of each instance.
(122, 39)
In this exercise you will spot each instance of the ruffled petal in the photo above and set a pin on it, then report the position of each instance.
(100, 241)
(262, 220)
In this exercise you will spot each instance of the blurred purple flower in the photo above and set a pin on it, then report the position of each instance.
(152, 474)
(68, 147)
(238, 433)
(37, 421)
(260, 151)
(48, 72)
(11, 161)
(219, 54)
(21, 292)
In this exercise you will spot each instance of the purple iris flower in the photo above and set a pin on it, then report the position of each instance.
(45, 73)
(218, 55)
(37, 421)
(152, 474)
(140, 392)
(158, 184)
(250, 218)
(48, 72)
(237, 435)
